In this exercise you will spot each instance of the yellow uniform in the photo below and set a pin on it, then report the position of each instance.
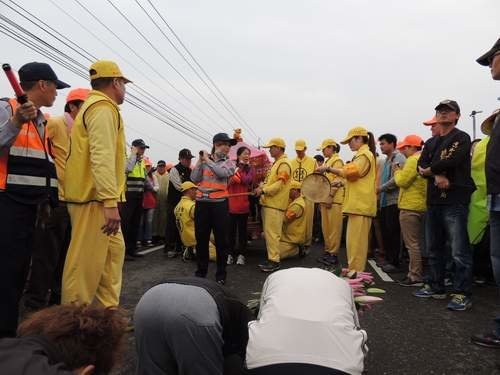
(301, 168)
(331, 216)
(360, 205)
(58, 134)
(294, 228)
(274, 202)
(184, 219)
(94, 179)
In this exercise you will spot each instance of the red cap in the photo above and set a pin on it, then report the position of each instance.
(410, 140)
(430, 122)
(77, 94)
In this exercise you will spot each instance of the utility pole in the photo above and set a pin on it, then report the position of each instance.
(473, 115)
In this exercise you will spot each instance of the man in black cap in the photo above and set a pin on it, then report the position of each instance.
(178, 174)
(211, 173)
(27, 178)
(131, 210)
(491, 127)
(449, 189)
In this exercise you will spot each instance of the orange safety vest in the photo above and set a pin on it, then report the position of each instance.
(210, 187)
(27, 170)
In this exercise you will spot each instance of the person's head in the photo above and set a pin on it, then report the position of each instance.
(434, 126)
(319, 159)
(88, 339)
(40, 83)
(243, 155)
(222, 143)
(189, 189)
(161, 166)
(74, 101)
(473, 145)
(185, 157)
(276, 147)
(358, 137)
(492, 59)
(447, 113)
(329, 147)
(387, 143)
(106, 76)
(148, 164)
(300, 148)
(295, 187)
(140, 145)
(410, 145)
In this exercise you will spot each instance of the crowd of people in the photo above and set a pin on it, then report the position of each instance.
(79, 206)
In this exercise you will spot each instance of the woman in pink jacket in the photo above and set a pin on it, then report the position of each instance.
(239, 207)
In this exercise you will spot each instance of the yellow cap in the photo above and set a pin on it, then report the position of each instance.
(106, 69)
(295, 185)
(188, 185)
(487, 125)
(300, 145)
(358, 131)
(279, 142)
(327, 142)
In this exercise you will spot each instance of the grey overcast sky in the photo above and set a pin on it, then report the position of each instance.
(294, 69)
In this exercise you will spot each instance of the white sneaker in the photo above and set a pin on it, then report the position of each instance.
(241, 260)
(230, 259)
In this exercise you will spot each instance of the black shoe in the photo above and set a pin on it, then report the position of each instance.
(409, 282)
(221, 282)
(390, 268)
(489, 340)
(269, 266)
(303, 251)
(129, 258)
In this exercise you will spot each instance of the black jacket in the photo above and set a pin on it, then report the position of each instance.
(449, 155)
(31, 355)
(174, 195)
(234, 314)
(493, 160)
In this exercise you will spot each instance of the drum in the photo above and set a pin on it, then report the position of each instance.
(316, 187)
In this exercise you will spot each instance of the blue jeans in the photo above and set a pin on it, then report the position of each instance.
(495, 253)
(449, 223)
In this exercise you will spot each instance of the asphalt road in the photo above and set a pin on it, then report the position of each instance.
(406, 335)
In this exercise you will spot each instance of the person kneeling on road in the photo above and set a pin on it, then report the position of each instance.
(307, 324)
(190, 326)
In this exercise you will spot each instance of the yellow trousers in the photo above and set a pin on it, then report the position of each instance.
(358, 230)
(93, 267)
(331, 226)
(272, 220)
(309, 212)
(288, 250)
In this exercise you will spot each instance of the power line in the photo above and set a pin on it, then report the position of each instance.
(169, 63)
(228, 109)
(81, 66)
(140, 72)
(199, 66)
(145, 62)
(135, 101)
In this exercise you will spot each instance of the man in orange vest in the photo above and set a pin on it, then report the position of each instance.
(27, 177)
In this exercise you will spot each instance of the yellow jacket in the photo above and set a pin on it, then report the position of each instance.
(412, 186)
(360, 175)
(95, 168)
(277, 185)
(294, 225)
(184, 219)
(301, 168)
(58, 134)
(338, 193)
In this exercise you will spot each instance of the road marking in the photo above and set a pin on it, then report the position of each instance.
(150, 250)
(378, 270)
